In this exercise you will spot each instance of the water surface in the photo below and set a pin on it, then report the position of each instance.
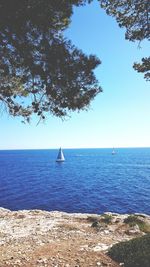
(90, 180)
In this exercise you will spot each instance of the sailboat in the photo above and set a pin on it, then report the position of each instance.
(113, 152)
(60, 157)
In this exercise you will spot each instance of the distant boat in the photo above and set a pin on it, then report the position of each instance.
(60, 157)
(113, 152)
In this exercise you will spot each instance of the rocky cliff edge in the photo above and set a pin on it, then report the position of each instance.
(39, 238)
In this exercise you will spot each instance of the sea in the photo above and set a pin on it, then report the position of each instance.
(89, 181)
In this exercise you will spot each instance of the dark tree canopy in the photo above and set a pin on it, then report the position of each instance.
(143, 67)
(131, 14)
(134, 15)
(41, 71)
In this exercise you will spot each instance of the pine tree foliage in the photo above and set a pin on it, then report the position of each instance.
(41, 71)
(143, 67)
(134, 15)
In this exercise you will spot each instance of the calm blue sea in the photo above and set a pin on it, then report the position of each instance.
(90, 180)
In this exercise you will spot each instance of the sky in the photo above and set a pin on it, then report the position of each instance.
(118, 117)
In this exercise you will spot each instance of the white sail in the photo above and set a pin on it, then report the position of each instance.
(113, 152)
(60, 156)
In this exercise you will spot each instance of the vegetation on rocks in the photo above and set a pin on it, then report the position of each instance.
(133, 220)
(101, 221)
(133, 253)
(106, 218)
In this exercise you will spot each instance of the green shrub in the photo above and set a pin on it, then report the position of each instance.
(92, 219)
(134, 253)
(106, 218)
(133, 220)
(95, 224)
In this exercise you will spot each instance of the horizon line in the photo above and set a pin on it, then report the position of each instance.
(56, 148)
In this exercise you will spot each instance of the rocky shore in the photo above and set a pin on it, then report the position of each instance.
(39, 238)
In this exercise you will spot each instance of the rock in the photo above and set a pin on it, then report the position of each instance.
(100, 247)
(133, 230)
(17, 261)
(42, 261)
(98, 264)
(106, 232)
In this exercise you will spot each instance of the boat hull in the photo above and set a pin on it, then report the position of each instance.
(60, 160)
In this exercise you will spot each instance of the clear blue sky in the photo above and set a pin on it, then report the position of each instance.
(118, 117)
